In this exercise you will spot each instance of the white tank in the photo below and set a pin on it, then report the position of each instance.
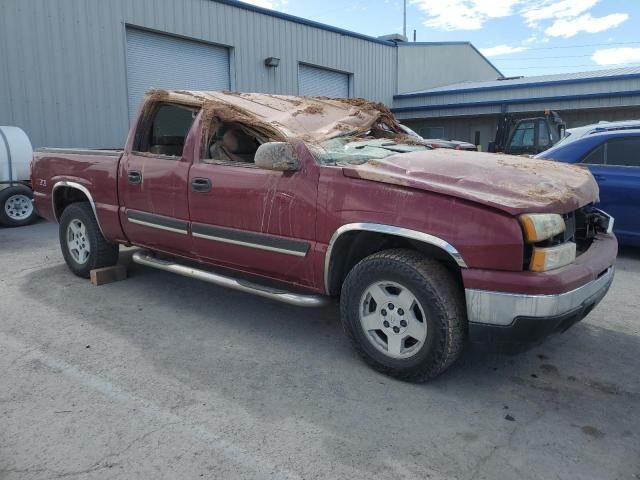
(15, 147)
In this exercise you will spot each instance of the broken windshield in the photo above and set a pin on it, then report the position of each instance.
(353, 150)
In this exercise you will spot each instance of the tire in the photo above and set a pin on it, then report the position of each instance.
(426, 324)
(16, 206)
(83, 246)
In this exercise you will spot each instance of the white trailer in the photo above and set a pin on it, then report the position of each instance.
(16, 194)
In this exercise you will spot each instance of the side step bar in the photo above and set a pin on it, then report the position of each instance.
(148, 259)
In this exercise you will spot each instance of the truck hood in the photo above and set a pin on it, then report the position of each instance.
(512, 184)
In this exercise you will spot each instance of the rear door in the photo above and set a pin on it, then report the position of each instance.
(153, 180)
(619, 181)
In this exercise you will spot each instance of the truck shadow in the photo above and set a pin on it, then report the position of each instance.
(168, 304)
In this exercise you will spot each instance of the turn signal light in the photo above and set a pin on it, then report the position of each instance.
(544, 259)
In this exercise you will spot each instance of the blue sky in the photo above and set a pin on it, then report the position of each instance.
(521, 37)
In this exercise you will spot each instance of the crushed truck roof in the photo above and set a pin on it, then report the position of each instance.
(285, 117)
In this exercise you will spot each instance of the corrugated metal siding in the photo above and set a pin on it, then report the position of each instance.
(162, 61)
(451, 97)
(314, 81)
(66, 68)
(464, 128)
(421, 66)
(593, 75)
(450, 112)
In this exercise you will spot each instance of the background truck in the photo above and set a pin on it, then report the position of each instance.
(527, 136)
(305, 200)
(16, 195)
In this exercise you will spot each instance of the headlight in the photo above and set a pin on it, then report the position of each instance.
(543, 259)
(541, 226)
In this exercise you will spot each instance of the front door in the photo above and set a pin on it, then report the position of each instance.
(153, 180)
(248, 218)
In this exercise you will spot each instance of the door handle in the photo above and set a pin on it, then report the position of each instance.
(599, 178)
(201, 185)
(134, 176)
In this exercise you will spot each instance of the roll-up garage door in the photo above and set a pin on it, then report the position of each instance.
(162, 61)
(314, 81)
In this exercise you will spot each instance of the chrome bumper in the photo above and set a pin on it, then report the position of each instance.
(498, 308)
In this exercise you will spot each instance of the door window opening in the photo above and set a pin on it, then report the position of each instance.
(166, 129)
(232, 143)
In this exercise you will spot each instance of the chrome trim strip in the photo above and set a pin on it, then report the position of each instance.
(155, 225)
(300, 300)
(499, 308)
(77, 186)
(247, 244)
(390, 230)
(80, 151)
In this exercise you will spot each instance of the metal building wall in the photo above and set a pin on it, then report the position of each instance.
(460, 128)
(63, 64)
(609, 93)
(464, 128)
(426, 65)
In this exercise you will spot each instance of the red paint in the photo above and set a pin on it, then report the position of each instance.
(514, 185)
(311, 204)
(586, 268)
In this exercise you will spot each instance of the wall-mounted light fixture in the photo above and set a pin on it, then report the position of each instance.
(272, 61)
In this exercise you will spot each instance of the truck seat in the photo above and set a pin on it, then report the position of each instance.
(167, 145)
(235, 145)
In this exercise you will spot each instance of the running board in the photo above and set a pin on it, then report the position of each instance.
(148, 259)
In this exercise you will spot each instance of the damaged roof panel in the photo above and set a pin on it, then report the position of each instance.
(284, 117)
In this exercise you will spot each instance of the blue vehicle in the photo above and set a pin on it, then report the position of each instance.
(613, 157)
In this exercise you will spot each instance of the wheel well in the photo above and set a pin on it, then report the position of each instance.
(65, 196)
(351, 247)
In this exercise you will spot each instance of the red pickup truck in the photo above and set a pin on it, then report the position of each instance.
(304, 200)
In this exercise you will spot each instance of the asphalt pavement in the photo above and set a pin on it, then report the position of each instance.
(165, 377)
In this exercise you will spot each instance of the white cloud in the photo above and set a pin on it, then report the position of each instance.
(501, 50)
(567, 17)
(535, 11)
(616, 56)
(463, 14)
(585, 23)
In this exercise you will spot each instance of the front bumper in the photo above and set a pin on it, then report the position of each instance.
(509, 322)
(532, 317)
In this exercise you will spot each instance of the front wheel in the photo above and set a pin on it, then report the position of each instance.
(83, 245)
(16, 206)
(404, 313)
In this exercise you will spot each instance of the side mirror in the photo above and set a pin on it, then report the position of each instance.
(279, 156)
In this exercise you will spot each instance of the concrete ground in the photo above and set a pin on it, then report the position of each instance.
(161, 376)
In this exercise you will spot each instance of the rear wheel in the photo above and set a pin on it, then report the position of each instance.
(16, 206)
(404, 313)
(83, 245)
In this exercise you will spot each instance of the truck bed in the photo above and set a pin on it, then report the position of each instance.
(93, 171)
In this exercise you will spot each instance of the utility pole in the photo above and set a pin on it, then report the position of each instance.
(404, 22)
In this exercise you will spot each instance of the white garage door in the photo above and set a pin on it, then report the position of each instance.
(162, 61)
(314, 81)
